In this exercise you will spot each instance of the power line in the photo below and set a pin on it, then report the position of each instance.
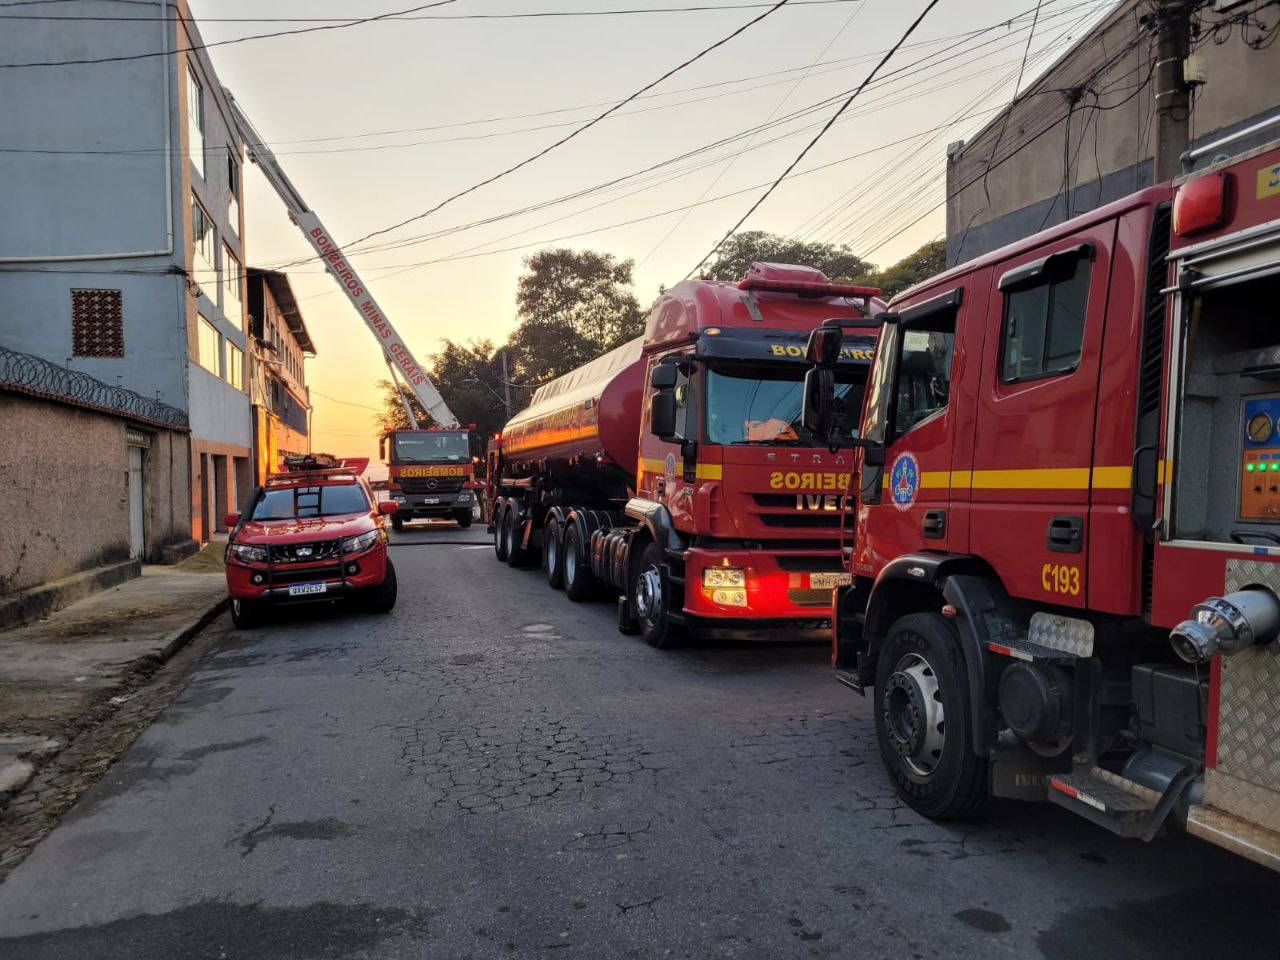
(827, 126)
(580, 130)
(349, 403)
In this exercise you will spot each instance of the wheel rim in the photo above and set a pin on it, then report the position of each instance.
(499, 534)
(570, 560)
(509, 525)
(915, 715)
(553, 548)
(648, 597)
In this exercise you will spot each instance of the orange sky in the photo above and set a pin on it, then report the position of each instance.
(324, 99)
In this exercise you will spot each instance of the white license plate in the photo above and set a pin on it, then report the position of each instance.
(829, 581)
(305, 589)
(430, 499)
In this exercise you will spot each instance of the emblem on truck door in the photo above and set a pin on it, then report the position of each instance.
(904, 481)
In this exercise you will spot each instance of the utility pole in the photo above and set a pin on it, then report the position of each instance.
(506, 383)
(1172, 133)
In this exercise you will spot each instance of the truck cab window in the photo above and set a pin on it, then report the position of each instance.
(1044, 323)
(924, 372)
(760, 404)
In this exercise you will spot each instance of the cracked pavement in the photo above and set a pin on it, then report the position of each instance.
(493, 771)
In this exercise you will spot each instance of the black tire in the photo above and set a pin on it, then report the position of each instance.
(923, 719)
(464, 519)
(553, 554)
(397, 523)
(517, 555)
(247, 614)
(382, 598)
(651, 603)
(500, 533)
(579, 583)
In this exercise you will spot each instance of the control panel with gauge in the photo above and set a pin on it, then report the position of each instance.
(1260, 456)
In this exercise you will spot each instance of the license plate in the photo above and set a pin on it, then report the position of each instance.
(430, 499)
(829, 581)
(305, 589)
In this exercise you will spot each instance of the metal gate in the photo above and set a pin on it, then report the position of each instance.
(137, 444)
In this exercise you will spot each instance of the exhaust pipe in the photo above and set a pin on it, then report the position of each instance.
(1227, 625)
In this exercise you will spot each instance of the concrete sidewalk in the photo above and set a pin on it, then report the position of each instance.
(60, 675)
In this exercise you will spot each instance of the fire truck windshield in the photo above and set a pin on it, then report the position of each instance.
(754, 404)
(431, 447)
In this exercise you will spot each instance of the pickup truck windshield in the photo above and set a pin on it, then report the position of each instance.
(289, 503)
(431, 447)
(753, 404)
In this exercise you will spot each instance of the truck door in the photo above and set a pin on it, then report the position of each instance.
(1037, 402)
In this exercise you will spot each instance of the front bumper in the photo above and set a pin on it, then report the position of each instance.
(271, 582)
(780, 599)
(411, 506)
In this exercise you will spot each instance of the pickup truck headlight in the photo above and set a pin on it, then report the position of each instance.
(724, 577)
(362, 541)
(246, 553)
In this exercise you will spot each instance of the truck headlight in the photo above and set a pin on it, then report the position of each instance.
(361, 541)
(724, 577)
(464, 496)
(246, 553)
(730, 598)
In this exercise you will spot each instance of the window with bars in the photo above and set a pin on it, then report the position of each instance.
(97, 323)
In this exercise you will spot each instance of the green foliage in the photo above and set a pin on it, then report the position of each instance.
(393, 416)
(929, 260)
(741, 250)
(469, 377)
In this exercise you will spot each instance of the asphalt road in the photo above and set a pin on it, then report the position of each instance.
(492, 771)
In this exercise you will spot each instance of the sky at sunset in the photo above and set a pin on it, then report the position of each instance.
(464, 98)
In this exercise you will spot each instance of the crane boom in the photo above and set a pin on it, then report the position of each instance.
(398, 354)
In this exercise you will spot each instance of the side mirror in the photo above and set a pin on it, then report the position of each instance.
(663, 376)
(382, 448)
(662, 414)
(824, 345)
(818, 405)
(230, 520)
(387, 506)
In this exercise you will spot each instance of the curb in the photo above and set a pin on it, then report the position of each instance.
(176, 640)
(22, 608)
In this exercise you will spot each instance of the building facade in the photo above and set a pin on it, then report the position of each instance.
(121, 225)
(1084, 133)
(278, 391)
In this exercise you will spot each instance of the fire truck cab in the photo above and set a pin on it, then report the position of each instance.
(1067, 552)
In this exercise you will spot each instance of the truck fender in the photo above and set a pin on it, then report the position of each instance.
(655, 517)
(557, 513)
(926, 582)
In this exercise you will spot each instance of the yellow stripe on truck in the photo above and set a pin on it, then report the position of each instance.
(704, 471)
(1046, 478)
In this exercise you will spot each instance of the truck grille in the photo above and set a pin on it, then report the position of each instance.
(807, 597)
(304, 552)
(430, 485)
(812, 521)
(809, 564)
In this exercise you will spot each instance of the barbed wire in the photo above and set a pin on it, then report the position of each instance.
(39, 377)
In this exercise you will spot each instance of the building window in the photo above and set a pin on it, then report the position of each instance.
(233, 189)
(97, 323)
(205, 243)
(235, 366)
(210, 347)
(232, 278)
(195, 121)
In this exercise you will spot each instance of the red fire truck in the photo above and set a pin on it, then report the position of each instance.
(675, 470)
(431, 474)
(1067, 514)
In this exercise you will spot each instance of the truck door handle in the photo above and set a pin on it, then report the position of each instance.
(1065, 534)
(935, 524)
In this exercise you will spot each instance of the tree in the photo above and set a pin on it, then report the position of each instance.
(393, 416)
(572, 306)
(469, 377)
(741, 250)
(929, 260)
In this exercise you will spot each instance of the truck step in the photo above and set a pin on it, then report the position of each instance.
(1122, 806)
(850, 679)
(1025, 649)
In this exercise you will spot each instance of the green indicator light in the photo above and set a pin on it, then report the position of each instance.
(1249, 467)
(1275, 466)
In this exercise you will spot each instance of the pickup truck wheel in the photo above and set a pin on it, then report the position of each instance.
(553, 554)
(651, 603)
(500, 533)
(922, 719)
(397, 523)
(579, 584)
(464, 519)
(382, 598)
(246, 614)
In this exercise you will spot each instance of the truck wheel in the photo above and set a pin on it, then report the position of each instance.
(553, 554)
(922, 719)
(517, 555)
(382, 598)
(579, 584)
(246, 614)
(650, 602)
(464, 519)
(397, 523)
(500, 533)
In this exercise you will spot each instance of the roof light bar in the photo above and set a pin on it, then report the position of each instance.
(808, 288)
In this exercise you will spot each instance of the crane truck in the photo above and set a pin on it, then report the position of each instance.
(1065, 578)
(431, 471)
(674, 470)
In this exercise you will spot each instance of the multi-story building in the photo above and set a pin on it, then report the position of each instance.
(122, 234)
(278, 386)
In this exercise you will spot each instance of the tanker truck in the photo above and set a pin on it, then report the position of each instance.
(674, 470)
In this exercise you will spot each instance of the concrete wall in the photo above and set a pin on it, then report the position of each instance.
(65, 476)
(1062, 167)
